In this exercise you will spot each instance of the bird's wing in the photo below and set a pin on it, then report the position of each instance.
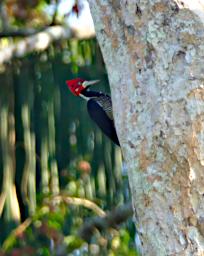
(105, 102)
(102, 119)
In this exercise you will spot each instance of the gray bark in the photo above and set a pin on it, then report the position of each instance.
(154, 54)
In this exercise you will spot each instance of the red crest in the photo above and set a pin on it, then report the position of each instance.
(75, 85)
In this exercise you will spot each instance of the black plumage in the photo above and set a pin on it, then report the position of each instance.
(99, 107)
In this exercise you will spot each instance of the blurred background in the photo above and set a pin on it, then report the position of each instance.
(61, 185)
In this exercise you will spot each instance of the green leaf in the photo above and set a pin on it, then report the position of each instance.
(73, 242)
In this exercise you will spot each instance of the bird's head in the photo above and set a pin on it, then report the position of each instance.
(78, 85)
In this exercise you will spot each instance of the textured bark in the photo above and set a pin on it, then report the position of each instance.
(154, 54)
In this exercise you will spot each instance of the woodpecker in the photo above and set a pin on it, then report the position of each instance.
(99, 106)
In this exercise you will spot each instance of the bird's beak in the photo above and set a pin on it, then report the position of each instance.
(88, 83)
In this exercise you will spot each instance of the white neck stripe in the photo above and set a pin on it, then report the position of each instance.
(84, 97)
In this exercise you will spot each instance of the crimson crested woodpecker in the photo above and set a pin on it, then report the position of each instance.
(99, 106)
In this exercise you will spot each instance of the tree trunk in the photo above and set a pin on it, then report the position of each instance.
(154, 54)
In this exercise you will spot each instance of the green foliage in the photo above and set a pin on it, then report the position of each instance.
(52, 153)
(21, 13)
(49, 229)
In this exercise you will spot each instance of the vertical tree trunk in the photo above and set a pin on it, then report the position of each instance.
(154, 54)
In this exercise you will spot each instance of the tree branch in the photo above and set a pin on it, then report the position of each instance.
(54, 17)
(80, 202)
(44, 210)
(20, 32)
(38, 42)
(4, 15)
(111, 220)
